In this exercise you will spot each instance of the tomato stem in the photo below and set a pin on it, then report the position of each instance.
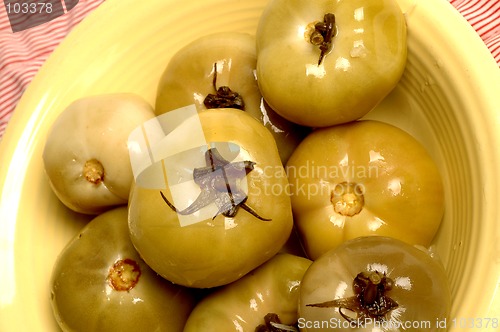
(223, 97)
(93, 171)
(370, 300)
(272, 323)
(347, 198)
(323, 34)
(218, 182)
(124, 274)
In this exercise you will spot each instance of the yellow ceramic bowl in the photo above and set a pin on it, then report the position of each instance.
(449, 97)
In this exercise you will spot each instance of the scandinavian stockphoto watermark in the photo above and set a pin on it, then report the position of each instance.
(26, 14)
(203, 178)
(206, 178)
(310, 170)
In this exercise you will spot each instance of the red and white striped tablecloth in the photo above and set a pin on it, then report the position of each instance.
(22, 53)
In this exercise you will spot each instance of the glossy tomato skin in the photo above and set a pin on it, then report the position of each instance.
(218, 249)
(84, 298)
(241, 306)
(94, 130)
(363, 178)
(419, 286)
(189, 75)
(365, 61)
(224, 59)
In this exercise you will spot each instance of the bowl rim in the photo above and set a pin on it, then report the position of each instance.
(478, 66)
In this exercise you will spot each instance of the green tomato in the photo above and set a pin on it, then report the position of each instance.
(234, 229)
(363, 178)
(374, 284)
(218, 71)
(85, 155)
(272, 288)
(320, 70)
(99, 283)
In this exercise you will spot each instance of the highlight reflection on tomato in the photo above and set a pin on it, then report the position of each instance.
(100, 283)
(236, 232)
(218, 71)
(363, 178)
(85, 155)
(323, 62)
(374, 283)
(270, 289)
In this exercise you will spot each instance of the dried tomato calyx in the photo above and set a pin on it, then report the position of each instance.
(370, 300)
(272, 323)
(218, 182)
(124, 274)
(347, 198)
(224, 97)
(323, 34)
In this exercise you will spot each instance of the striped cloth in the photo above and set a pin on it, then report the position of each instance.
(22, 53)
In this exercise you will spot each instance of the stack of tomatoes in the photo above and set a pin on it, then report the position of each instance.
(294, 213)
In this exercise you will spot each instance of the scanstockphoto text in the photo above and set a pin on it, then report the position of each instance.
(460, 323)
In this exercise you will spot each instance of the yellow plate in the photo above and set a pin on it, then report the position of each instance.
(448, 98)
